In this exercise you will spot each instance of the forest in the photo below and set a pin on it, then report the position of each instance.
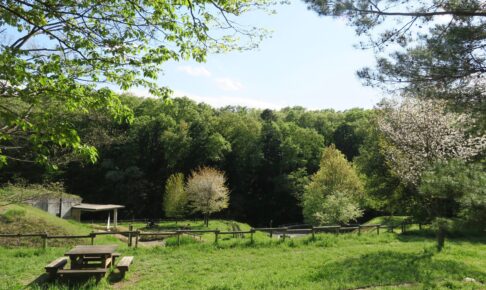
(269, 158)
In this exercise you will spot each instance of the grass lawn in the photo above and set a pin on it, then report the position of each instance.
(346, 261)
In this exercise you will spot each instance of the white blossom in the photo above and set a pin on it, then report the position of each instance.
(424, 131)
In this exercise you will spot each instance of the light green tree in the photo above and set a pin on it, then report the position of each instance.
(207, 192)
(175, 197)
(333, 194)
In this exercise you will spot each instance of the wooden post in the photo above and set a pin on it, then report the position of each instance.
(92, 234)
(216, 234)
(313, 233)
(378, 229)
(115, 218)
(420, 226)
(359, 229)
(337, 230)
(284, 234)
(130, 228)
(44, 241)
(136, 239)
(178, 238)
(271, 234)
(252, 231)
(18, 240)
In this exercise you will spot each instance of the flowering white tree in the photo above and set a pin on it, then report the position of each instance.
(424, 131)
(207, 192)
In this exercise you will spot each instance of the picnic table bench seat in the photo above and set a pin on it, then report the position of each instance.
(65, 273)
(124, 264)
(53, 267)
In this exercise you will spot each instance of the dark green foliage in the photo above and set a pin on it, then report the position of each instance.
(268, 159)
(455, 189)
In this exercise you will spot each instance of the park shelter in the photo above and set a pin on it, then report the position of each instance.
(90, 207)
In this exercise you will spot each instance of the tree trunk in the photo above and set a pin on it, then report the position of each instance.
(440, 237)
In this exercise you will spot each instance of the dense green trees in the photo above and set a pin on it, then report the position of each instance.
(455, 189)
(269, 158)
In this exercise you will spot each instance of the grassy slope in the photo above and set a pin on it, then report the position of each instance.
(387, 220)
(33, 216)
(25, 219)
(330, 262)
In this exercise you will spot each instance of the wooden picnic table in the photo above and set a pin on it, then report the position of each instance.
(90, 256)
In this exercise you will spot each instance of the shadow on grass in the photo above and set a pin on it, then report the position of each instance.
(175, 226)
(431, 235)
(46, 282)
(115, 277)
(385, 268)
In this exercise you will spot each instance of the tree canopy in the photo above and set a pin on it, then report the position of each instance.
(428, 49)
(62, 59)
(421, 132)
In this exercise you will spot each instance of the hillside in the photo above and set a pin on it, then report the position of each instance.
(26, 219)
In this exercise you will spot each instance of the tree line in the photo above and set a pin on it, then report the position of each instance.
(281, 166)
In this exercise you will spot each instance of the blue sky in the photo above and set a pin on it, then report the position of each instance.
(309, 61)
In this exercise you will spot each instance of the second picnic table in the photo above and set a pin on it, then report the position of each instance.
(89, 256)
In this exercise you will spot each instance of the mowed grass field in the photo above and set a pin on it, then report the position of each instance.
(346, 261)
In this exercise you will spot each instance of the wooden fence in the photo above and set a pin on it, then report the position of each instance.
(282, 232)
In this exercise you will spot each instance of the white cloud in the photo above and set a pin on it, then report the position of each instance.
(138, 92)
(222, 101)
(195, 71)
(228, 84)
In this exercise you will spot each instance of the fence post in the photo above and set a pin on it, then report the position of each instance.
(18, 240)
(130, 228)
(92, 234)
(252, 231)
(284, 234)
(44, 241)
(420, 226)
(178, 237)
(216, 234)
(359, 229)
(271, 234)
(378, 229)
(136, 239)
(313, 233)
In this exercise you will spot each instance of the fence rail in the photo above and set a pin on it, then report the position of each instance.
(283, 232)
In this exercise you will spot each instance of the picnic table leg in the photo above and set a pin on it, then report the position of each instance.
(76, 262)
